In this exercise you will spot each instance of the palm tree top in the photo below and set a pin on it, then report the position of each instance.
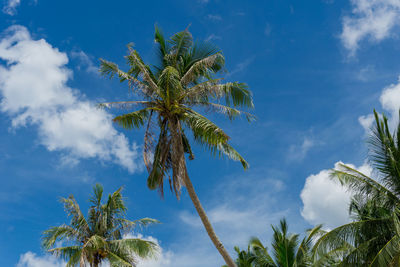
(102, 236)
(186, 80)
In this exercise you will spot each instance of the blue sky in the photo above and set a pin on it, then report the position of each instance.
(317, 69)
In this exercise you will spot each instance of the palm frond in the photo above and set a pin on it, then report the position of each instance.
(235, 94)
(385, 153)
(54, 234)
(138, 66)
(358, 182)
(201, 67)
(180, 43)
(125, 104)
(232, 113)
(169, 84)
(110, 69)
(134, 119)
(140, 247)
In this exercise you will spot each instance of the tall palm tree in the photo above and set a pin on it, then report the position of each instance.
(100, 237)
(173, 91)
(373, 238)
(287, 250)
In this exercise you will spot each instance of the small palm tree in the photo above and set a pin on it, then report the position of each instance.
(100, 237)
(373, 238)
(287, 250)
(183, 82)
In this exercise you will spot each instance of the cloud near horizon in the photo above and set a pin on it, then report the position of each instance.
(64, 119)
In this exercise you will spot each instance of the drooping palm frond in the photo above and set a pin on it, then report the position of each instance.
(134, 119)
(362, 184)
(142, 70)
(261, 255)
(54, 234)
(231, 113)
(205, 131)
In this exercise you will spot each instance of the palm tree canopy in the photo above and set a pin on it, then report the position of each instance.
(186, 80)
(101, 236)
(287, 250)
(372, 239)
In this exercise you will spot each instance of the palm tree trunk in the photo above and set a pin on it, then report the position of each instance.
(210, 230)
(180, 172)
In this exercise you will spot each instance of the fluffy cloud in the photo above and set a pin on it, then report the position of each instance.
(10, 7)
(373, 19)
(30, 259)
(34, 90)
(326, 201)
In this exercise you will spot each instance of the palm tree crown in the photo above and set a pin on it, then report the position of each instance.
(183, 81)
(287, 250)
(100, 237)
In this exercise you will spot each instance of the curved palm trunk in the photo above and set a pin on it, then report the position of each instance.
(203, 216)
(180, 172)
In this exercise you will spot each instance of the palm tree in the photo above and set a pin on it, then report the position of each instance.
(184, 81)
(287, 250)
(373, 238)
(100, 237)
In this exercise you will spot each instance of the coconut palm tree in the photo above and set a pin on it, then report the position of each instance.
(101, 237)
(373, 238)
(287, 250)
(185, 81)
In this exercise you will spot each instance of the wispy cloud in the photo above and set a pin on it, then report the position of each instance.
(214, 17)
(65, 121)
(369, 19)
(299, 152)
(241, 66)
(85, 62)
(10, 7)
(212, 37)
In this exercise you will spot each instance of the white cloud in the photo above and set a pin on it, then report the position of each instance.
(34, 90)
(30, 259)
(85, 62)
(299, 152)
(373, 19)
(10, 7)
(325, 200)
